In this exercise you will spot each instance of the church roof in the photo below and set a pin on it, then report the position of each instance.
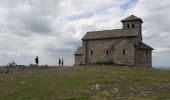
(111, 34)
(79, 51)
(132, 17)
(143, 46)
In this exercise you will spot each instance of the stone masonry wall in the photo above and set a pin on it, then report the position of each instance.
(84, 46)
(144, 59)
(99, 49)
(135, 23)
(124, 53)
(78, 60)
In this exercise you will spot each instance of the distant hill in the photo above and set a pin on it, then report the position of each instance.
(162, 68)
(87, 83)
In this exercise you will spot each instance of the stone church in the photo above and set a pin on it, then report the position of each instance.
(119, 46)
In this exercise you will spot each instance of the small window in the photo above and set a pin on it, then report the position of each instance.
(91, 52)
(107, 52)
(146, 53)
(132, 25)
(124, 52)
(128, 26)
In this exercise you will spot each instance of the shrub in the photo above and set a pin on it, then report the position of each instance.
(105, 63)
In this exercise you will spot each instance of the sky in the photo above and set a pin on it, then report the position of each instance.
(53, 29)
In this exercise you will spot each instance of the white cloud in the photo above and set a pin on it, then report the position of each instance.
(54, 28)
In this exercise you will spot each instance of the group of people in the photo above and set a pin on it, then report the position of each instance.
(60, 61)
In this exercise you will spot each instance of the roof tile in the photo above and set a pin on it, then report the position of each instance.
(143, 46)
(79, 51)
(132, 17)
(111, 33)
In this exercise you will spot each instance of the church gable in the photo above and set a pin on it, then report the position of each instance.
(124, 52)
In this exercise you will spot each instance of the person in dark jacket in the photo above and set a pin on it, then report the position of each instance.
(36, 61)
(59, 62)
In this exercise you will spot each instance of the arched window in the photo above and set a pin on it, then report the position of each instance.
(133, 26)
(107, 52)
(124, 52)
(127, 25)
(91, 52)
(146, 53)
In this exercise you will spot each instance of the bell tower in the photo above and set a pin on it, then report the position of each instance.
(132, 22)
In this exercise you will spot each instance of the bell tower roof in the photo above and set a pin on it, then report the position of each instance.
(132, 18)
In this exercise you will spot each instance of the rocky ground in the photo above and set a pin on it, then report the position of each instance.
(22, 68)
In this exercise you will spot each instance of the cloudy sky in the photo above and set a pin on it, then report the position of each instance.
(54, 28)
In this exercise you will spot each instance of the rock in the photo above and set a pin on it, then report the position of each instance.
(115, 90)
(145, 91)
(22, 68)
(132, 90)
(92, 87)
(97, 87)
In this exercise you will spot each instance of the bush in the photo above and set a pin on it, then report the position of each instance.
(105, 63)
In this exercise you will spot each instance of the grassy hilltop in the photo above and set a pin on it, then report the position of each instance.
(77, 83)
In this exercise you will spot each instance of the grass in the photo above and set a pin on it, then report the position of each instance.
(74, 83)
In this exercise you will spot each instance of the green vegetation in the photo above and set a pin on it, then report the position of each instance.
(75, 83)
(104, 63)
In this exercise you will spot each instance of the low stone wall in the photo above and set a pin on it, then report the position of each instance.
(18, 69)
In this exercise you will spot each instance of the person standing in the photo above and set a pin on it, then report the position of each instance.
(59, 62)
(36, 61)
(62, 61)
